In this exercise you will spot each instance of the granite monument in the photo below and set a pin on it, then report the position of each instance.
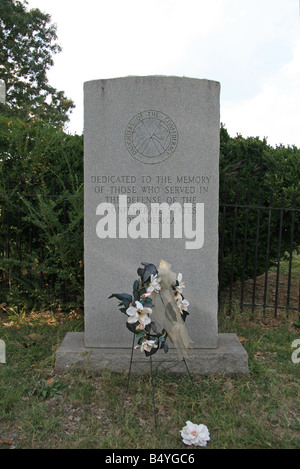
(151, 192)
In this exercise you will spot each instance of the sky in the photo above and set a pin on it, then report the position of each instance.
(252, 47)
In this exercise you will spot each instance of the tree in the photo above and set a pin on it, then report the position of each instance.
(27, 45)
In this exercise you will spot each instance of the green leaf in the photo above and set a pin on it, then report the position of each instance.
(132, 327)
(162, 341)
(140, 340)
(148, 300)
(125, 298)
(149, 269)
(136, 293)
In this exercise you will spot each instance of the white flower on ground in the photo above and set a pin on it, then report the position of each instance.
(138, 313)
(180, 286)
(147, 345)
(193, 434)
(182, 303)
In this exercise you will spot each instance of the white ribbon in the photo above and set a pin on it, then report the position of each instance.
(167, 313)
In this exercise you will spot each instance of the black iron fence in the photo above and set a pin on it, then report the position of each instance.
(41, 244)
(41, 248)
(259, 266)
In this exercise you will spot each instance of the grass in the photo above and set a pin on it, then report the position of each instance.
(284, 266)
(81, 409)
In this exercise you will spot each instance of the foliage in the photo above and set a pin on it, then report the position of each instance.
(27, 44)
(247, 164)
(254, 174)
(38, 151)
(47, 389)
(242, 164)
(41, 219)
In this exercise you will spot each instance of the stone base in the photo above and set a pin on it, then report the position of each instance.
(229, 358)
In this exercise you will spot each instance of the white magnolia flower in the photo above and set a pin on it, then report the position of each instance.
(182, 303)
(154, 284)
(148, 345)
(180, 286)
(139, 313)
(193, 434)
(153, 287)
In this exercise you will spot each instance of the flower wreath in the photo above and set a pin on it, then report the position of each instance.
(138, 308)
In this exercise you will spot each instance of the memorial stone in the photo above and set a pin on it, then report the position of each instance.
(150, 141)
(151, 192)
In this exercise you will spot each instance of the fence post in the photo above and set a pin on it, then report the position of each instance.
(8, 221)
(291, 254)
(279, 253)
(233, 248)
(221, 246)
(245, 250)
(256, 248)
(267, 253)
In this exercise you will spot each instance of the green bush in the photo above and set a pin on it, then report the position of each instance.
(41, 220)
(255, 174)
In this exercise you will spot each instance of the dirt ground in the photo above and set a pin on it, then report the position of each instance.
(277, 293)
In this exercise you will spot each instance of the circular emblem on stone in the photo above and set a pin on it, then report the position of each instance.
(151, 137)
